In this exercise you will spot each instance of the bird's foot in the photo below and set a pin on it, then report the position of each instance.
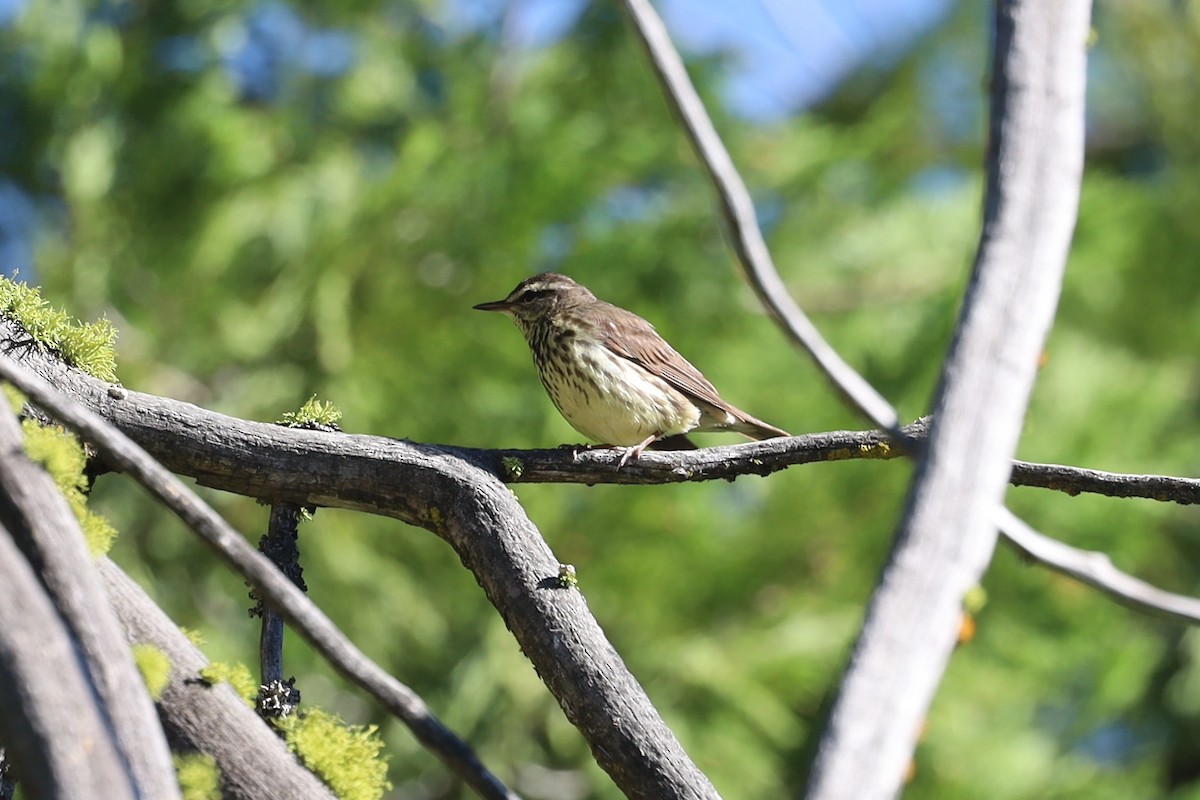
(635, 451)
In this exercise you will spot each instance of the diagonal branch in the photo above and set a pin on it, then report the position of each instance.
(272, 585)
(1097, 570)
(429, 486)
(1036, 136)
(44, 527)
(737, 207)
(253, 760)
(52, 723)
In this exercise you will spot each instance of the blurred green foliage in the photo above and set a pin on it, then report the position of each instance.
(331, 239)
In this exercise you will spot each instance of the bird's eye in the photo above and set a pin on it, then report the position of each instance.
(529, 295)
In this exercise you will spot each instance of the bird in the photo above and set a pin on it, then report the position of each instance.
(612, 376)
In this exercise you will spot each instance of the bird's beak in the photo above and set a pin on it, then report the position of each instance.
(495, 305)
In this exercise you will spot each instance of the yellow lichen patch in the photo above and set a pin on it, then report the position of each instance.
(346, 757)
(314, 412)
(199, 776)
(236, 675)
(62, 456)
(90, 347)
(155, 668)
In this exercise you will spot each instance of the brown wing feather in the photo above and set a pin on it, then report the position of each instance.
(631, 337)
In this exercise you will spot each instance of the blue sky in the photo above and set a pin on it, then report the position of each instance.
(784, 55)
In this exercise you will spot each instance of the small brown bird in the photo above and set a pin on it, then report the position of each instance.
(611, 375)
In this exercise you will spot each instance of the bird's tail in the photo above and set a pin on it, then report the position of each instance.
(756, 428)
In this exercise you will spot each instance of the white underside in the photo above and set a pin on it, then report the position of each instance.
(626, 406)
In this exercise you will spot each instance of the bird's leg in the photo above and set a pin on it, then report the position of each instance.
(636, 450)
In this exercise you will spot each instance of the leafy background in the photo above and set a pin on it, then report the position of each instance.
(272, 200)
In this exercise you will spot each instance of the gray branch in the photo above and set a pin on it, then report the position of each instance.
(273, 587)
(212, 719)
(44, 527)
(430, 486)
(369, 473)
(947, 532)
(52, 724)
(737, 208)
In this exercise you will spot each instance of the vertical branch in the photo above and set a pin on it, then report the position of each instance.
(277, 697)
(947, 533)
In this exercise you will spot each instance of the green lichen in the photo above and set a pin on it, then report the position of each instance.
(90, 347)
(314, 413)
(567, 577)
(236, 675)
(199, 777)
(513, 467)
(155, 668)
(16, 398)
(975, 599)
(63, 457)
(882, 450)
(193, 636)
(346, 757)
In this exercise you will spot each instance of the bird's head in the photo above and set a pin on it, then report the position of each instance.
(540, 297)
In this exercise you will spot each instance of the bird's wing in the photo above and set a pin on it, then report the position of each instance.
(631, 337)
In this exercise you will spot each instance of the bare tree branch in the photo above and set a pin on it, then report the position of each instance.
(272, 585)
(46, 530)
(737, 207)
(1078, 480)
(478, 516)
(368, 473)
(947, 533)
(1097, 571)
(51, 723)
(254, 762)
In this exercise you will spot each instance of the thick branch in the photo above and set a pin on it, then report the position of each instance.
(272, 586)
(368, 473)
(254, 762)
(50, 719)
(355, 471)
(478, 516)
(948, 532)
(45, 528)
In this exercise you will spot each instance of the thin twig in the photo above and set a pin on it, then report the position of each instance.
(738, 209)
(274, 587)
(1097, 570)
(281, 544)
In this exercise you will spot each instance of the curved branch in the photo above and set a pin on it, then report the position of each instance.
(1097, 570)
(369, 473)
(737, 208)
(438, 490)
(273, 586)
